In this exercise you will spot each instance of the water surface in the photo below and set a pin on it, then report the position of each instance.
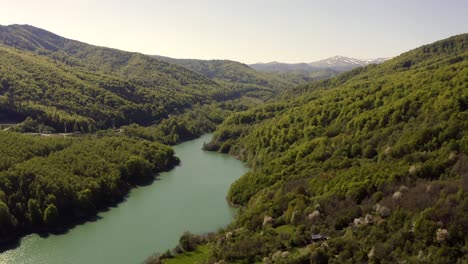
(189, 197)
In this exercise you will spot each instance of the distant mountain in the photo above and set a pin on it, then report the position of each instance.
(235, 75)
(136, 66)
(340, 63)
(70, 85)
(298, 73)
(337, 63)
(275, 66)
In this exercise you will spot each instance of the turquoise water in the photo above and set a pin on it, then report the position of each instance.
(190, 197)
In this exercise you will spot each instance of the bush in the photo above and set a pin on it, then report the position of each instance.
(188, 241)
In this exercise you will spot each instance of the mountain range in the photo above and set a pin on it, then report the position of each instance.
(233, 74)
(70, 85)
(370, 166)
(336, 63)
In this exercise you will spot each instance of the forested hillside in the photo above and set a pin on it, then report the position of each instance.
(298, 73)
(52, 84)
(303, 77)
(191, 124)
(48, 183)
(368, 166)
(137, 67)
(66, 85)
(236, 76)
(76, 99)
(374, 161)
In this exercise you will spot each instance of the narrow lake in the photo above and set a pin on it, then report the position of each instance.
(190, 197)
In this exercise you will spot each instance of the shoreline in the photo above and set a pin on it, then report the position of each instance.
(14, 241)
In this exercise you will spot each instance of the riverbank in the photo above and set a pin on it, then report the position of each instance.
(13, 241)
(191, 197)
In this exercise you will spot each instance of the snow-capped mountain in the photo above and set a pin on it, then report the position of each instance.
(341, 63)
(336, 63)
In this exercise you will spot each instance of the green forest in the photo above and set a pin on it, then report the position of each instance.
(368, 167)
(236, 76)
(94, 121)
(66, 86)
(46, 183)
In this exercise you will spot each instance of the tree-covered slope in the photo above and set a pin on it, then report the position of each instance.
(68, 84)
(275, 66)
(47, 183)
(135, 66)
(298, 73)
(375, 159)
(301, 73)
(62, 96)
(235, 75)
(302, 77)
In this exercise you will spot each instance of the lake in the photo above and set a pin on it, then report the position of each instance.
(190, 197)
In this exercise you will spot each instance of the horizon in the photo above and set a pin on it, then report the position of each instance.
(248, 31)
(268, 62)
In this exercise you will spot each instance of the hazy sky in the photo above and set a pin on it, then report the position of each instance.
(247, 30)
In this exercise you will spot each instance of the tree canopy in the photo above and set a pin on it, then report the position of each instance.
(375, 159)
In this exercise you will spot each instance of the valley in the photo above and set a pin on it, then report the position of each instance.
(362, 162)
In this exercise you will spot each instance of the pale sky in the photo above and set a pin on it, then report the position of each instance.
(247, 30)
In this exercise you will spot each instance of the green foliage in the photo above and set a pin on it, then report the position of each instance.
(200, 255)
(303, 76)
(188, 125)
(238, 77)
(374, 160)
(51, 215)
(7, 221)
(188, 241)
(380, 150)
(354, 120)
(137, 167)
(319, 257)
(49, 83)
(51, 181)
(70, 98)
(69, 86)
(34, 212)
